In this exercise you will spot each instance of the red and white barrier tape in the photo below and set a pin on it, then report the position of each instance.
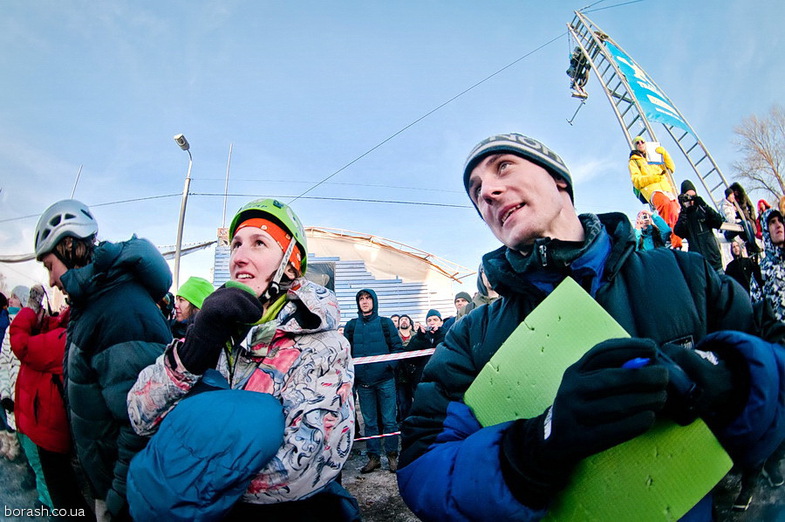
(377, 436)
(393, 356)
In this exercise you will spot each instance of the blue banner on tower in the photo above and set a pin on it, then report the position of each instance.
(655, 105)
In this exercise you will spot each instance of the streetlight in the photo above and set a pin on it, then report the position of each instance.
(183, 143)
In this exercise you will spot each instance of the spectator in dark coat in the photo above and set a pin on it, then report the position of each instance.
(411, 369)
(742, 268)
(462, 299)
(697, 222)
(454, 468)
(370, 334)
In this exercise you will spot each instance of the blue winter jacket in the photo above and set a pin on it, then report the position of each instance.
(646, 238)
(445, 448)
(372, 335)
(192, 471)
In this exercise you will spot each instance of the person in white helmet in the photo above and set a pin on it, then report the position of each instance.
(115, 331)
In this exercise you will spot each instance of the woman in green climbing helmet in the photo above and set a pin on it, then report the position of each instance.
(268, 330)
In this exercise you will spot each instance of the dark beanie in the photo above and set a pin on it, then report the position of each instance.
(687, 185)
(520, 145)
(433, 312)
(464, 295)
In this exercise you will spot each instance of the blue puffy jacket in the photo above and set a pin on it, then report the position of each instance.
(373, 335)
(205, 453)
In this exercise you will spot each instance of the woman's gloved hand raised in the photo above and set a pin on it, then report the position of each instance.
(224, 313)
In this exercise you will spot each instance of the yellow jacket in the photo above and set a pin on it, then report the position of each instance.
(651, 178)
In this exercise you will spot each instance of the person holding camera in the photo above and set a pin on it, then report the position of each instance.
(428, 336)
(515, 470)
(697, 222)
(651, 231)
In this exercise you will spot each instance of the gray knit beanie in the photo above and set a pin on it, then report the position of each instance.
(520, 145)
(22, 293)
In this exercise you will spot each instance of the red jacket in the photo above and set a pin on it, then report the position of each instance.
(39, 408)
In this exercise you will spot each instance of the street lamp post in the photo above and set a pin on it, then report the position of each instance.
(183, 143)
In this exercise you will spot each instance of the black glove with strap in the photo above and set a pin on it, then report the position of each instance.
(721, 383)
(224, 313)
(598, 405)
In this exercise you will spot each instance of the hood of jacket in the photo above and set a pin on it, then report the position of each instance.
(117, 263)
(374, 311)
(772, 265)
(609, 240)
(773, 252)
(309, 308)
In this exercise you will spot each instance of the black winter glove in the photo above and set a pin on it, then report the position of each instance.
(599, 405)
(224, 313)
(8, 405)
(721, 382)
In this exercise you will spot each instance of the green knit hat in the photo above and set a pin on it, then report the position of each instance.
(463, 295)
(195, 290)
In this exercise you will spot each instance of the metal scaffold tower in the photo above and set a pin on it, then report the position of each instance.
(637, 101)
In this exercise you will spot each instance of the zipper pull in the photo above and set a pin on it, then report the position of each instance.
(543, 254)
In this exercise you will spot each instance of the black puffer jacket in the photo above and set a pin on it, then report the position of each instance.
(696, 224)
(116, 330)
(410, 370)
(661, 294)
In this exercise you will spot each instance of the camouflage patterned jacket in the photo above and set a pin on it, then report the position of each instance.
(300, 359)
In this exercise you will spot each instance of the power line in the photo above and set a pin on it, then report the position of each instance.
(590, 5)
(610, 6)
(245, 195)
(327, 198)
(373, 185)
(418, 120)
(367, 152)
(98, 205)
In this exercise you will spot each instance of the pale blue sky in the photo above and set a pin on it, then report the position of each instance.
(301, 89)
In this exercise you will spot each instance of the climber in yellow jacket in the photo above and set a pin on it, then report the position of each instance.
(654, 183)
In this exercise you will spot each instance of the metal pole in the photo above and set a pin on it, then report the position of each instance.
(180, 224)
(226, 185)
(76, 181)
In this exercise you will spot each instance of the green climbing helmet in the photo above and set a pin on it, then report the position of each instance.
(281, 214)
